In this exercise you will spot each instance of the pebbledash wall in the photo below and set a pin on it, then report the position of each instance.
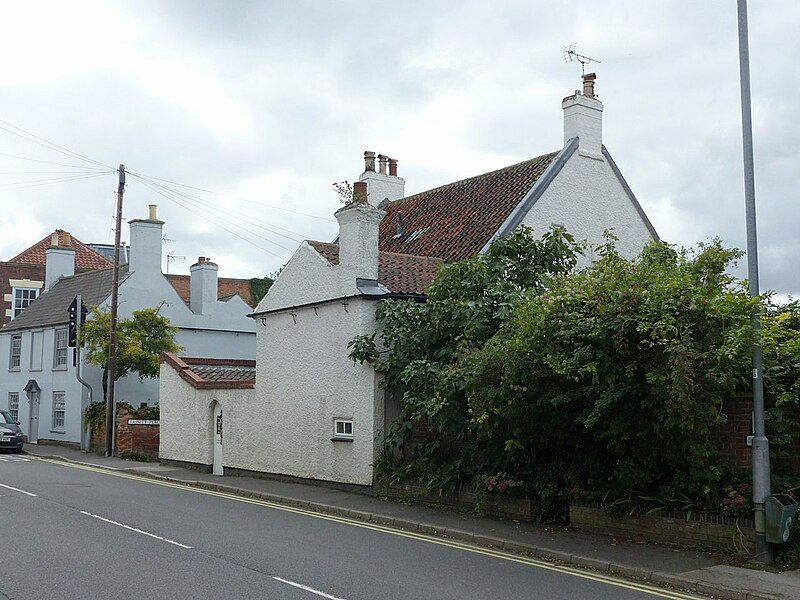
(305, 379)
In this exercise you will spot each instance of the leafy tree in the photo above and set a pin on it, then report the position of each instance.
(140, 342)
(259, 286)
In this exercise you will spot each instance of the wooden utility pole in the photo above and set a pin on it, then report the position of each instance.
(112, 336)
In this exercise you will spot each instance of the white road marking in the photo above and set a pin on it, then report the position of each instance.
(8, 487)
(306, 588)
(14, 459)
(129, 528)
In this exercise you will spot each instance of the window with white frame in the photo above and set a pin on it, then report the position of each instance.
(13, 405)
(14, 358)
(59, 409)
(23, 298)
(60, 355)
(343, 429)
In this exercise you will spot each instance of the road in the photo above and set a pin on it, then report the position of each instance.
(68, 531)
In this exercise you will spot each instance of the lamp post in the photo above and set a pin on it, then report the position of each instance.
(761, 477)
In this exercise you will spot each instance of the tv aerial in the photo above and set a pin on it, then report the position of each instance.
(570, 55)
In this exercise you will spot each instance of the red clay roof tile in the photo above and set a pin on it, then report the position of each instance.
(454, 221)
(400, 273)
(85, 257)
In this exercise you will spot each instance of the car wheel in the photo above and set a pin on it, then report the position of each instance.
(17, 451)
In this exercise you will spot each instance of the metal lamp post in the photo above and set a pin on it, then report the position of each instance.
(761, 476)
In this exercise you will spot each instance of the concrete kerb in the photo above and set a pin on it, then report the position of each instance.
(672, 580)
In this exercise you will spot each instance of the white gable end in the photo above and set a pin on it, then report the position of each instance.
(587, 198)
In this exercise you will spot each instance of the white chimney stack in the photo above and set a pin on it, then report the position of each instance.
(59, 261)
(358, 235)
(583, 118)
(203, 283)
(146, 236)
(382, 185)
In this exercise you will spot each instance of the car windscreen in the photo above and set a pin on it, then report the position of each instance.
(5, 417)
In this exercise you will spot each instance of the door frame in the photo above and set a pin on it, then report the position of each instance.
(34, 405)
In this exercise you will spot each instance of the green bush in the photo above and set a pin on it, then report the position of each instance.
(602, 385)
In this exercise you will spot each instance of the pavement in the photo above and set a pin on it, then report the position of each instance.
(601, 556)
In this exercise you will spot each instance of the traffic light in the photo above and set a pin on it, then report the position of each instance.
(72, 335)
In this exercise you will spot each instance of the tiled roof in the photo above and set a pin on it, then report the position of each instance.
(454, 221)
(85, 257)
(227, 287)
(51, 307)
(213, 373)
(400, 273)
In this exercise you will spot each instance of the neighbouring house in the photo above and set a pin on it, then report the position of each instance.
(312, 412)
(22, 277)
(40, 384)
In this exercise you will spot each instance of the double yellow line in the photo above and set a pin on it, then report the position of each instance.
(575, 572)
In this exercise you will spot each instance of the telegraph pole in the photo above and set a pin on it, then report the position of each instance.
(112, 337)
(761, 476)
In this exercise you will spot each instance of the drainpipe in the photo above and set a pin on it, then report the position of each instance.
(86, 399)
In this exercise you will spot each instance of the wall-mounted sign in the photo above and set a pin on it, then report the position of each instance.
(143, 422)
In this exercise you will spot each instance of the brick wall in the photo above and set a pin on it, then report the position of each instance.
(731, 437)
(700, 530)
(130, 438)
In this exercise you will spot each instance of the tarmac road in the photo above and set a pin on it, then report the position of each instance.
(69, 531)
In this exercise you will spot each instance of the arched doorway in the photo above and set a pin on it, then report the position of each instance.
(216, 439)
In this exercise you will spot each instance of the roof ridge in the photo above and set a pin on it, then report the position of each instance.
(476, 177)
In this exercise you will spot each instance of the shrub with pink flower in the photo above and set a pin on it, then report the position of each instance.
(737, 501)
(502, 483)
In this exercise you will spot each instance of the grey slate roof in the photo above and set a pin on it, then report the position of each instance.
(51, 307)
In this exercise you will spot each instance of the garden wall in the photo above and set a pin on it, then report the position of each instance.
(139, 437)
(506, 507)
(699, 529)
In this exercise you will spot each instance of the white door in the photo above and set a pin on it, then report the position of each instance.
(216, 468)
(33, 422)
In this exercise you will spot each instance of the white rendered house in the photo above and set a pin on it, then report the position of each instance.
(312, 412)
(39, 383)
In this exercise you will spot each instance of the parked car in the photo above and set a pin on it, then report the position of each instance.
(10, 433)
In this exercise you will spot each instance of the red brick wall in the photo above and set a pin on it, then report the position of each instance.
(731, 437)
(130, 438)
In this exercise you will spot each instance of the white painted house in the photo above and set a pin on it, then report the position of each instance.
(39, 381)
(314, 414)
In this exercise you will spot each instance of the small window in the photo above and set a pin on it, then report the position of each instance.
(23, 298)
(60, 356)
(13, 405)
(343, 428)
(16, 353)
(59, 409)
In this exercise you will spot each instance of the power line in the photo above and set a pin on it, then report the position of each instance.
(250, 231)
(47, 162)
(48, 144)
(46, 172)
(207, 218)
(241, 216)
(49, 182)
(199, 189)
(53, 179)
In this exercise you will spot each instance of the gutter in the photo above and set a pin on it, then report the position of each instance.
(86, 432)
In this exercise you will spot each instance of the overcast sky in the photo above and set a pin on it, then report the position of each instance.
(272, 102)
